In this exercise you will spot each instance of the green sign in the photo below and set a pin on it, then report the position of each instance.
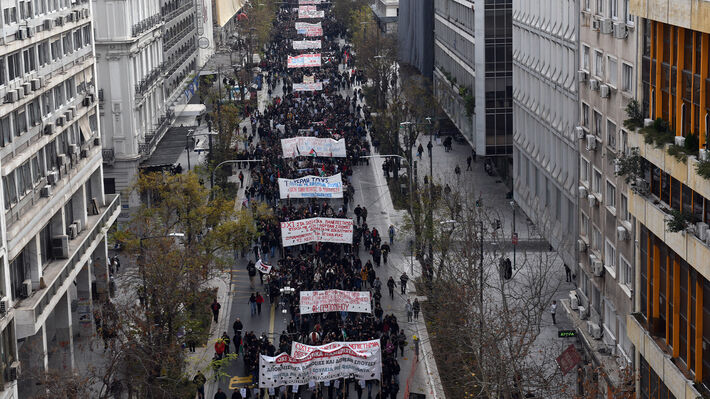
(566, 333)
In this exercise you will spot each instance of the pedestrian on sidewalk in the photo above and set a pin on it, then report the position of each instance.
(420, 151)
(252, 303)
(215, 306)
(468, 163)
(457, 170)
(220, 394)
(553, 311)
(415, 308)
(403, 282)
(391, 284)
(473, 154)
(358, 213)
(364, 215)
(251, 270)
(219, 348)
(237, 326)
(568, 274)
(226, 340)
(429, 147)
(199, 381)
(409, 310)
(385, 249)
(241, 179)
(391, 233)
(259, 301)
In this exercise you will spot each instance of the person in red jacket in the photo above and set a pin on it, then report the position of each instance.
(259, 301)
(219, 348)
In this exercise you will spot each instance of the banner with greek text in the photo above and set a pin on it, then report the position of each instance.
(335, 301)
(299, 350)
(312, 147)
(319, 366)
(304, 231)
(309, 30)
(304, 61)
(308, 86)
(308, 12)
(263, 267)
(306, 44)
(312, 187)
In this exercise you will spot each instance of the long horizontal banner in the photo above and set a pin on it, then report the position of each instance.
(307, 12)
(309, 1)
(309, 30)
(304, 231)
(318, 86)
(335, 301)
(313, 147)
(312, 187)
(306, 44)
(299, 350)
(262, 267)
(319, 366)
(304, 61)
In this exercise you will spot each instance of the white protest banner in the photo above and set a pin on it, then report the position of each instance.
(308, 12)
(319, 366)
(299, 350)
(303, 231)
(304, 61)
(262, 267)
(335, 301)
(306, 44)
(308, 86)
(309, 30)
(313, 147)
(304, 2)
(309, 79)
(312, 187)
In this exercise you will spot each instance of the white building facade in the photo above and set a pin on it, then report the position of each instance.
(545, 109)
(53, 255)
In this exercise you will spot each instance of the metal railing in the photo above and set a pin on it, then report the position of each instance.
(172, 14)
(151, 139)
(170, 43)
(108, 156)
(146, 24)
(148, 81)
(189, 52)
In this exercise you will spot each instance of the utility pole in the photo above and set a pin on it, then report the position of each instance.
(431, 203)
(480, 294)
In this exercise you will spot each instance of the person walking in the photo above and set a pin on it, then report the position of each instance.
(553, 311)
(385, 249)
(199, 381)
(358, 213)
(220, 394)
(215, 306)
(420, 150)
(259, 301)
(219, 348)
(364, 215)
(468, 163)
(226, 340)
(429, 147)
(457, 170)
(252, 303)
(473, 154)
(403, 282)
(391, 284)
(409, 310)
(391, 234)
(568, 274)
(416, 308)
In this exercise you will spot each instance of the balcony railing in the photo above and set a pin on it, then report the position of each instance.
(146, 24)
(172, 14)
(28, 311)
(151, 139)
(152, 77)
(108, 156)
(189, 52)
(171, 42)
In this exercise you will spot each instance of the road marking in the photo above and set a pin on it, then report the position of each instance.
(271, 320)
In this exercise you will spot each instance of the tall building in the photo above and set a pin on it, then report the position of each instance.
(53, 252)
(144, 60)
(473, 75)
(545, 105)
(386, 13)
(608, 43)
(670, 327)
(415, 34)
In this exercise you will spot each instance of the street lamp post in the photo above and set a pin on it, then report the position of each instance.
(514, 235)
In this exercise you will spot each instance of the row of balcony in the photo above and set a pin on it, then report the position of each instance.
(151, 139)
(172, 14)
(145, 24)
(189, 52)
(174, 39)
(147, 82)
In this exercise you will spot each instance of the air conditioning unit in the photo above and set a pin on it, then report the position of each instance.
(59, 21)
(26, 88)
(11, 96)
(595, 24)
(60, 246)
(21, 34)
(59, 121)
(703, 155)
(582, 76)
(592, 200)
(86, 102)
(34, 84)
(69, 17)
(53, 177)
(579, 132)
(30, 31)
(73, 149)
(606, 26)
(573, 300)
(97, 141)
(49, 128)
(582, 245)
(604, 91)
(20, 94)
(598, 268)
(84, 153)
(46, 191)
(583, 312)
(72, 232)
(702, 229)
(26, 288)
(13, 371)
(621, 233)
(78, 14)
(47, 24)
(86, 12)
(62, 159)
(620, 31)
(582, 191)
(71, 112)
(594, 84)
(679, 141)
(79, 226)
(4, 305)
(594, 330)
(591, 142)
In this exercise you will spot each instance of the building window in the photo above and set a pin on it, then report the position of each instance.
(610, 257)
(600, 7)
(5, 131)
(623, 213)
(596, 238)
(3, 71)
(56, 50)
(13, 66)
(597, 123)
(583, 170)
(610, 195)
(584, 225)
(20, 121)
(585, 115)
(10, 14)
(612, 64)
(624, 141)
(613, 9)
(627, 72)
(627, 13)
(596, 181)
(626, 275)
(598, 64)
(585, 57)
(611, 134)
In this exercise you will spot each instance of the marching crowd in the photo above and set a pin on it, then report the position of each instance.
(330, 113)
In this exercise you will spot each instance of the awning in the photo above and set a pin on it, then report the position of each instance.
(226, 9)
(169, 148)
(84, 128)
